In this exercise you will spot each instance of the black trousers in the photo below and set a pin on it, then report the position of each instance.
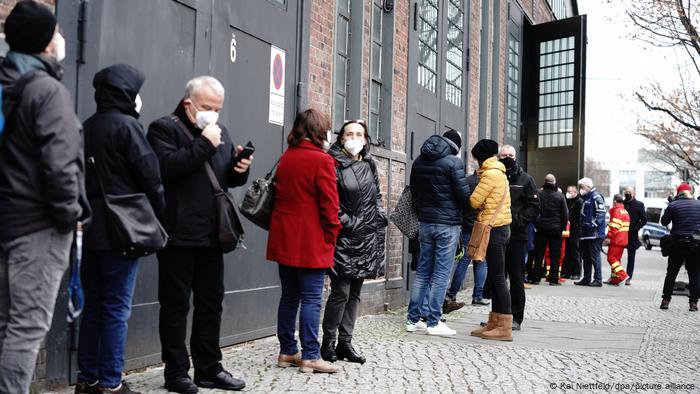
(631, 257)
(515, 265)
(182, 272)
(341, 308)
(691, 259)
(553, 238)
(496, 258)
(572, 258)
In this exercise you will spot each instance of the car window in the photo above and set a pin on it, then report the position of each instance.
(654, 215)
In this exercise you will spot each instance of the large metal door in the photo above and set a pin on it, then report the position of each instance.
(172, 41)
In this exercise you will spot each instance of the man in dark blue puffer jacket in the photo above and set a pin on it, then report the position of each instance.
(440, 191)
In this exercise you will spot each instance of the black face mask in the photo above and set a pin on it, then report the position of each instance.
(508, 162)
(628, 197)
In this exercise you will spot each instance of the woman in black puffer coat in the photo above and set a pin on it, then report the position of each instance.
(359, 252)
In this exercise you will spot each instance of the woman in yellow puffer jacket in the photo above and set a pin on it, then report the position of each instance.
(491, 189)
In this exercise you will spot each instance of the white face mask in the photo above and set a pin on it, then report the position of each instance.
(205, 118)
(570, 195)
(60, 43)
(138, 104)
(354, 146)
(583, 192)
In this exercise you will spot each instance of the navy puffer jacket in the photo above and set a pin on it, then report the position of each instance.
(438, 183)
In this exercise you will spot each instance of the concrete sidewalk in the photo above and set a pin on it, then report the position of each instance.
(610, 339)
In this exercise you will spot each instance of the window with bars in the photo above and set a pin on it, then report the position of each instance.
(376, 59)
(558, 8)
(627, 178)
(454, 63)
(428, 45)
(556, 93)
(513, 88)
(341, 108)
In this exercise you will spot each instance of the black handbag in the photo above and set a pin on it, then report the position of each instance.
(230, 229)
(132, 226)
(259, 199)
(405, 216)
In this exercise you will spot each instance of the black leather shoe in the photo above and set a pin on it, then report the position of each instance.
(328, 351)
(583, 282)
(86, 388)
(345, 351)
(596, 283)
(182, 385)
(223, 381)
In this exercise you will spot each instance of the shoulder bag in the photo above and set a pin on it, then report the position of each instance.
(404, 215)
(481, 233)
(230, 229)
(259, 199)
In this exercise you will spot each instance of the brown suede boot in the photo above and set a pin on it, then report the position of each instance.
(503, 330)
(489, 326)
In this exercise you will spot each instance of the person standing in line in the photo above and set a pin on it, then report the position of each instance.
(439, 189)
(42, 189)
(524, 209)
(572, 258)
(124, 163)
(487, 197)
(684, 214)
(638, 218)
(192, 262)
(552, 222)
(359, 251)
(303, 233)
(592, 232)
(617, 237)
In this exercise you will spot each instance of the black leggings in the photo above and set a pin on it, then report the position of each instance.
(496, 258)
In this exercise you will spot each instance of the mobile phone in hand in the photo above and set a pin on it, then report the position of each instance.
(247, 151)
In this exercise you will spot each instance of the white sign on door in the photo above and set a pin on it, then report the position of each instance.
(277, 82)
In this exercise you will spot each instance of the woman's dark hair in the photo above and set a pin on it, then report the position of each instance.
(362, 123)
(311, 124)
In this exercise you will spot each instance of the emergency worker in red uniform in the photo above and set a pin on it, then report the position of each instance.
(618, 236)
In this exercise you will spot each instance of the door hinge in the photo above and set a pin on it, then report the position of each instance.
(83, 25)
(300, 89)
(468, 56)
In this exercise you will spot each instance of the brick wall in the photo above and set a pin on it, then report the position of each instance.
(321, 56)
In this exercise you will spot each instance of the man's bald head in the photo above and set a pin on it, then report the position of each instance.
(549, 178)
(507, 151)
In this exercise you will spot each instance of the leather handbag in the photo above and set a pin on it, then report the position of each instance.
(405, 216)
(132, 226)
(481, 234)
(230, 229)
(259, 199)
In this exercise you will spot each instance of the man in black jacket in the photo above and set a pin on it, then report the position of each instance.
(638, 218)
(553, 219)
(524, 207)
(193, 262)
(41, 188)
(572, 259)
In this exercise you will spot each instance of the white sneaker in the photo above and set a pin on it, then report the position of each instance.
(413, 327)
(441, 330)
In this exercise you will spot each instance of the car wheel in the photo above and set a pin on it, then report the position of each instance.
(647, 243)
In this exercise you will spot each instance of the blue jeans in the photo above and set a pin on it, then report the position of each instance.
(438, 243)
(590, 253)
(108, 282)
(300, 286)
(461, 273)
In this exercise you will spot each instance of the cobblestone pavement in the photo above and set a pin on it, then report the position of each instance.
(662, 349)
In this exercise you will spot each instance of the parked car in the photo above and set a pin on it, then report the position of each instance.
(652, 232)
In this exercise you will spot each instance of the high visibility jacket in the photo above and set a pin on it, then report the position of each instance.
(619, 226)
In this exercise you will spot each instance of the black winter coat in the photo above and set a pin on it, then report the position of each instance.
(190, 204)
(575, 206)
(123, 158)
(524, 202)
(684, 212)
(638, 218)
(438, 183)
(554, 213)
(41, 154)
(359, 251)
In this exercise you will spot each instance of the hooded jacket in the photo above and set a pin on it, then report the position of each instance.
(190, 203)
(524, 202)
(492, 187)
(359, 251)
(124, 160)
(593, 216)
(41, 151)
(438, 182)
(554, 212)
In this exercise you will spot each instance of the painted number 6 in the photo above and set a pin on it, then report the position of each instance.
(233, 48)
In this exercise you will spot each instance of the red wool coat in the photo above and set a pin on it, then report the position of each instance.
(305, 222)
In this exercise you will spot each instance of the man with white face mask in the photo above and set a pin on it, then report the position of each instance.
(193, 261)
(41, 188)
(592, 232)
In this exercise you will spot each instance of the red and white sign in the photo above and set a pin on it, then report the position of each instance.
(277, 82)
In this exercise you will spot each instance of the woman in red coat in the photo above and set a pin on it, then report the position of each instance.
(302, 237)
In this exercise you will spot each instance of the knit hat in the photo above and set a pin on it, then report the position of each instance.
(484, 149)
(29, 27)
(684, 187)
(453, 135)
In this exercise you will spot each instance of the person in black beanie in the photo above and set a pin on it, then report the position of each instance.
(41, 188)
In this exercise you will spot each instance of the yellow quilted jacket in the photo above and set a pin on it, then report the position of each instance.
(489, 191)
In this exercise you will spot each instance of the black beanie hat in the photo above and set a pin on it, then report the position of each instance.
(484, 149)
(453, 135)
(29, 27)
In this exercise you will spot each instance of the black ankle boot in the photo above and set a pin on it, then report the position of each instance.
(328, 351)
(347, 352)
